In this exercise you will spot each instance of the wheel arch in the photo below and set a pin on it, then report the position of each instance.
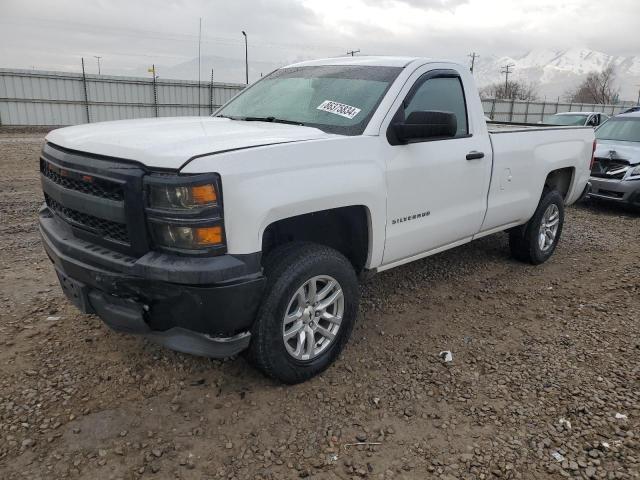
(347, 229)
(561, 180)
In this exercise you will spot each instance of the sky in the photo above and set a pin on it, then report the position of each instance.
(132, 35)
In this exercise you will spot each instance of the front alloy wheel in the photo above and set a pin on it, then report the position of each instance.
(313, 317)
(307, 314)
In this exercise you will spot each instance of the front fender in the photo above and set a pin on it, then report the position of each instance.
(266, 184)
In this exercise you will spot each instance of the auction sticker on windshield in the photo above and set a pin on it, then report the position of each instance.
(336, 108)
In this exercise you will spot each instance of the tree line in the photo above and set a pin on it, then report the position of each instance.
(597, 87)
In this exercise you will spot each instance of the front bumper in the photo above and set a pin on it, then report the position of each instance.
(615, 190)
(203, 306)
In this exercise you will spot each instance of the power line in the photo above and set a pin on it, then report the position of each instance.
(506, 70)
(473, 56)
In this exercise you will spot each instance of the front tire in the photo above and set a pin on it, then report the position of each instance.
(307, 313)
(535, 241)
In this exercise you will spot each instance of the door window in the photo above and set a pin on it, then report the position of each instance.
(443, 94)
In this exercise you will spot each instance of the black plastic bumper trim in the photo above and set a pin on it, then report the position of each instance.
(143, 292)
(128, 317)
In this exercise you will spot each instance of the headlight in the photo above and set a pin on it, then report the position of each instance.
(184, 213)
(635, 172)
(180, 197)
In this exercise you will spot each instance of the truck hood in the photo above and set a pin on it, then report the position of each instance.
(628, 151)
(170, 142)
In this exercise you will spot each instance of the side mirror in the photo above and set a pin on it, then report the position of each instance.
(426, 125)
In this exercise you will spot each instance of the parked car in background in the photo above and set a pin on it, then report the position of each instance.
(632, 109)
(582, 119)
(615, 174)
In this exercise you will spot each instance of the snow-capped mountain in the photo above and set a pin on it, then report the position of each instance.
(555, 72)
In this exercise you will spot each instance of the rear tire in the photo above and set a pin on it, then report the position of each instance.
(294, 338)
(535, 241)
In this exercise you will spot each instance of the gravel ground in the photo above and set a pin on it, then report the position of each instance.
(544, 382)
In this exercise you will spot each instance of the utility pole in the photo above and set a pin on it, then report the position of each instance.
(506, 69)
(199, 45)
(154, 84)
(86, 93)
(211, 94)
(98, 57)
(353, 52)
(246, 58)
(473, 56)
(638, 102)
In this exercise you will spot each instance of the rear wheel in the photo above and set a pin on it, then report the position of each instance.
(536, 241)
(307, 314)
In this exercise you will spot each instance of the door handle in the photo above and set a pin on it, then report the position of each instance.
(475, 155)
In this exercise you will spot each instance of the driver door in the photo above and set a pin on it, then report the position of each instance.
(437, 188)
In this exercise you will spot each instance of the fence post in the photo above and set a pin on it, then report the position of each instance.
(211, 94)
(526, 112)
(557, 105)
(544, 106)
(86, 95)
(513, 102)
(155, 89)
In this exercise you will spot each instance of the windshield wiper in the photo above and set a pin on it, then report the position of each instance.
(271, 120)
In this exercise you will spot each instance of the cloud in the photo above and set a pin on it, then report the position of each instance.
(132, 35)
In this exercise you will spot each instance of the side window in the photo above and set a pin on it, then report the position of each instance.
(443, 94)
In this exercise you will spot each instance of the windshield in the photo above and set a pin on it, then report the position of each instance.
(336, 99)
(566, 119)
(621, 129)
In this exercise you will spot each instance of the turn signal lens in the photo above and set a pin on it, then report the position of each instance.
(208, 236)
(203, 194)
(186, 237)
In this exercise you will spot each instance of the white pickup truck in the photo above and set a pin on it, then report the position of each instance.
(248, 230)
